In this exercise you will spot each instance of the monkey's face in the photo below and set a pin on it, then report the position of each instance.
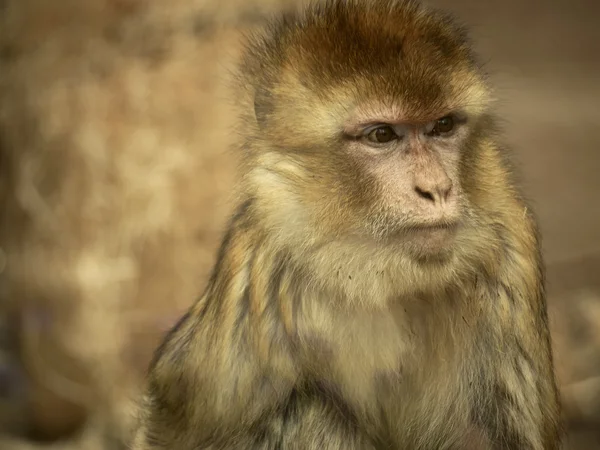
(367, 118)
(409, 175)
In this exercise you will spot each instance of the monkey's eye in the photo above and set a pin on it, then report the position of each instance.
(382, 135)
(443, 126)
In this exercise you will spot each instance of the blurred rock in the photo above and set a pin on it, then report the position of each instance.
(574, 299)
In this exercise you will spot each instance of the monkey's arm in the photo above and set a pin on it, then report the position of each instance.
(205, 390)
(200, 399)
(522, 410)
(224, 372)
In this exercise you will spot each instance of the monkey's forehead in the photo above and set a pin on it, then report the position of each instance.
(391, 48)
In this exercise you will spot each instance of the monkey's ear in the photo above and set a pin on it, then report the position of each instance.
(263, 106)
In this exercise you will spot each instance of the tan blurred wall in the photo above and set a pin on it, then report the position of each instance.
(116, 166)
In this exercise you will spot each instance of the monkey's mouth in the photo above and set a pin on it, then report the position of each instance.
(430, 239)
(448, 227)
(426, 239)
(432, 227)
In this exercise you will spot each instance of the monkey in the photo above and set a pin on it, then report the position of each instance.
(381, 282)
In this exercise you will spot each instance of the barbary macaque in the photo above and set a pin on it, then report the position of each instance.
(381, 283)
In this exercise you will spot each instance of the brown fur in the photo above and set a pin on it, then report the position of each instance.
(317, 329)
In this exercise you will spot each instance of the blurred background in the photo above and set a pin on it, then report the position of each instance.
(116, 174)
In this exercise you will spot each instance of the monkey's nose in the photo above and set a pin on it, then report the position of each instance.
(436, 192)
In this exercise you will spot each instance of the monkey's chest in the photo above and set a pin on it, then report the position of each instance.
(405, 376)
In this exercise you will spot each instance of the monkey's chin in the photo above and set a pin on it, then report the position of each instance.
(431, 244)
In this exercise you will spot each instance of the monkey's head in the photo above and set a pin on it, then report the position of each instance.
(366, 124)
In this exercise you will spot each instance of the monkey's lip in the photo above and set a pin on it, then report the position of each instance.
(428, 236)
(433, 227)
(433, 238)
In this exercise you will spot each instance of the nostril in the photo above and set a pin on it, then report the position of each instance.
(447, 193)
(424, 194)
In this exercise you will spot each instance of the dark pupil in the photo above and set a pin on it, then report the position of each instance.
(384, 134)
(445, 124)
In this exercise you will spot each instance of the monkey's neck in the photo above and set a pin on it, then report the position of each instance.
(260, 265)
(271, 275)
(276, 295)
